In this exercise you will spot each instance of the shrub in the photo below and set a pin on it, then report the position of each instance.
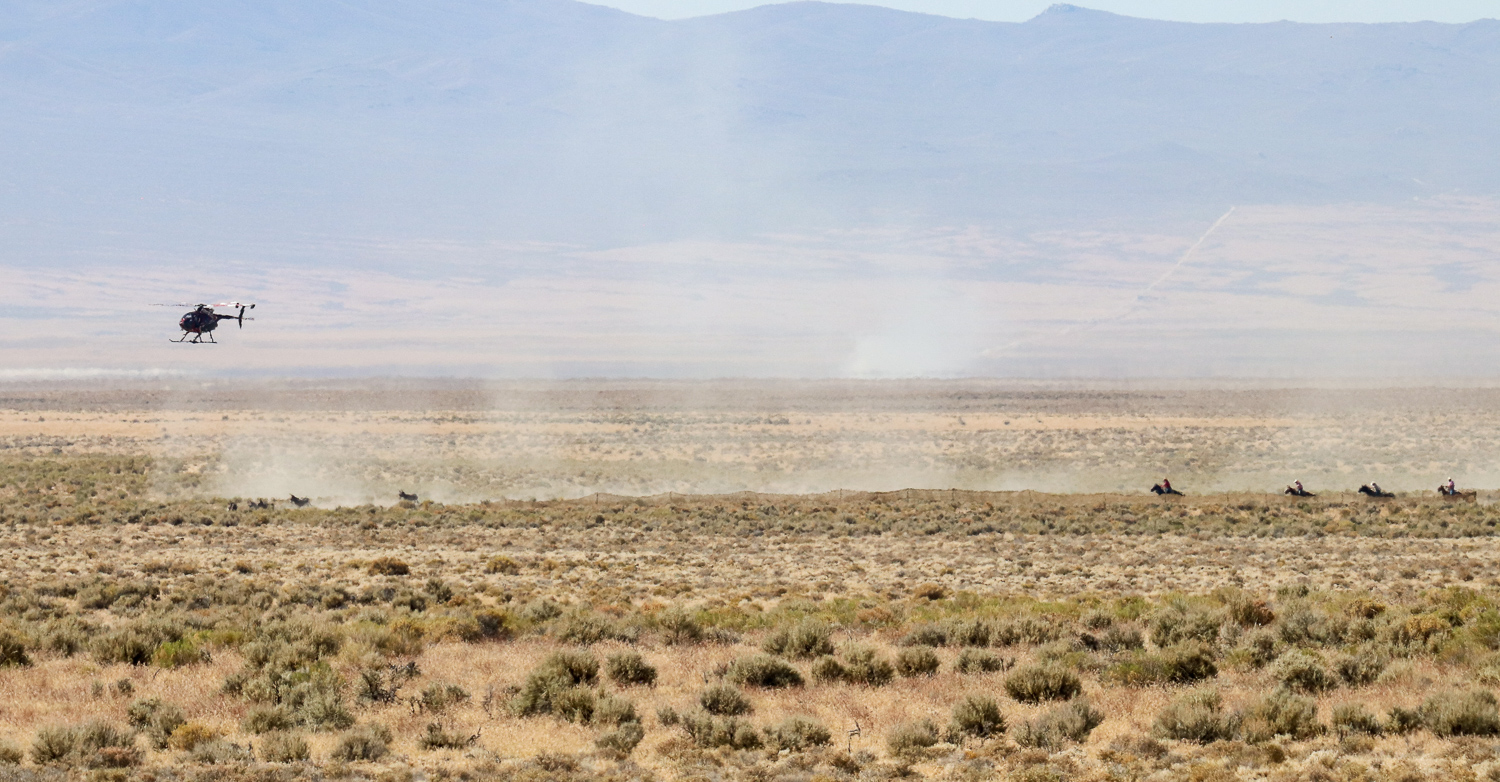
(930, 635)
(1259, 648)
(1419, 630)
(10, 754)
(627, 668)
(763, 671)
(621, 741)
(439, 697)
(1361, 668)
(268, 719)
(978, 716)
(709, 731)
(575, 704)
(614, 710)
(1098, 620)
(586, 628)
(69, 635)
(1185, 663)
(1029, 629)
(552, 682)
(1037, 683)
(157, 718)
(679, 627)
(1301, 671)
(1403, 721)
(806, 639)
(53, 744)
(542, 691)
(539, 611)
(1120, 638)
(1451, 713)
(929, 591)
(580, 667)
(917, 661)
(13, 649)
(724, 701)
(115, 757)
(190, 734)
(319, 701)
(863, 666)
(667, 715)
(1355, 718)
(502, 565)
(796, 734)
(369, 741)
(1363, 608)
(283, 748)
(1070, 722)
(380, 684)
(1195, 716)
(978, 661)
(97, 744)
(490, 625)
(126, 645)
(1281, 713)
(219, 752)
(910, 738)
(976, 633)
(1251, 612)
(828, 669)
(438, 737)
(175, 654)
(389, 566)
(1175, 624)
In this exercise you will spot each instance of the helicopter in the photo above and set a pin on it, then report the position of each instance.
(202, 321)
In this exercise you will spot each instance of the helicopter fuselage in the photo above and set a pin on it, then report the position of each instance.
(200, 321)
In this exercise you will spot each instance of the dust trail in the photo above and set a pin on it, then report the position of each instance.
(1188, 254)
(1135, 305)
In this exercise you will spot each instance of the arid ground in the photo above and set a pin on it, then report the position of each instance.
(722, 581)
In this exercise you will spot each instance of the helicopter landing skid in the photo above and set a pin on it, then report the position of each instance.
(196, 340)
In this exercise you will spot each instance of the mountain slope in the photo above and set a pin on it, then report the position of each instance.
(152, 123)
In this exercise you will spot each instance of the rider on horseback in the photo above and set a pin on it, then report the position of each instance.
(1448, 489)
(1166, 485)
(1298, 485)
(1376, 487)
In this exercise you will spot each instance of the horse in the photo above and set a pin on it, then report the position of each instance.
(1369, 492)
(300, 501)
(260, 504)
(1458, 496)
(407, 497)
(1296, 492)
(1157, 489)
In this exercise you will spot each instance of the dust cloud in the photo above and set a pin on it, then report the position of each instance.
(347, 442)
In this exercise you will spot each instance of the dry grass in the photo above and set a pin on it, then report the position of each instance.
(115, 538)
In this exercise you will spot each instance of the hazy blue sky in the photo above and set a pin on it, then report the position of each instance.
(1176, 10)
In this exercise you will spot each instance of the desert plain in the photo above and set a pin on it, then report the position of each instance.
(746, 580)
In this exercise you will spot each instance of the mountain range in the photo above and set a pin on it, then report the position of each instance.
(559, 121)
(803, 188)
